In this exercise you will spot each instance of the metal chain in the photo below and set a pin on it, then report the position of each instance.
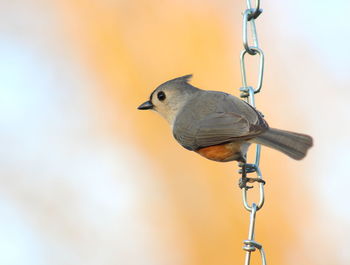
(248, 93)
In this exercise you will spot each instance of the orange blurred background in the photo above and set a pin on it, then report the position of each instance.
(86, 178)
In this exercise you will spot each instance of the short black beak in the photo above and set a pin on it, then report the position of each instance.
(146, 105)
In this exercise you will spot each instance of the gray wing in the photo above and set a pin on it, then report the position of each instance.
(214, 118)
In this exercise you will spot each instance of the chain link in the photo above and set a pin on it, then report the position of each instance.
(243, 70)
(248, 93)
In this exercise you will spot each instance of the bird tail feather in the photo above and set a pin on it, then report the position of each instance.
(294, 145)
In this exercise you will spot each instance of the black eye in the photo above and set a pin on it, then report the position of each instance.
(161, 95)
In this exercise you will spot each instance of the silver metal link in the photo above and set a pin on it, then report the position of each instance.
(247, 14)
(251, 245)
(256, 10)
(248, 93)
(261, 69)
(257, 4)
(261, 194)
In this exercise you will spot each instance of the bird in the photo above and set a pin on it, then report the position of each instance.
(218, 125)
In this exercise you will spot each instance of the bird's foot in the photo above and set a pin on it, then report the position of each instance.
(245, 169)
(244, 180)
(243, 183)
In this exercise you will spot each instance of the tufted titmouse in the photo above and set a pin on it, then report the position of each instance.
(218, 125)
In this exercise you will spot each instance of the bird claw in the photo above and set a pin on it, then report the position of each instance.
(243, 183)
(247, 168)
(244, 180)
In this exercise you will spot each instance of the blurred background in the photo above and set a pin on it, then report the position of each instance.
(86, 178)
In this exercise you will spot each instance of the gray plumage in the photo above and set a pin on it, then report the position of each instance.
(295, 145)
(223, 118)
(203, 118)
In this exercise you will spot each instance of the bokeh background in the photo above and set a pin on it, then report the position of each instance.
(87, 179)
